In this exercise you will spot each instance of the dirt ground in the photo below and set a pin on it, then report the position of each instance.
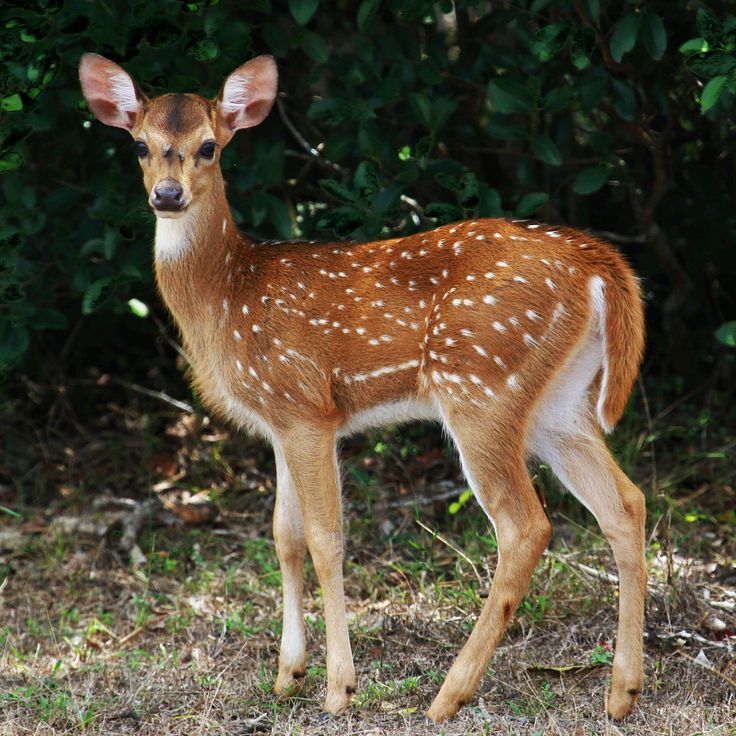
(139, 587)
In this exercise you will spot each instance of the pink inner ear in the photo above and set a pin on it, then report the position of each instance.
(110, 92)
(249, 93)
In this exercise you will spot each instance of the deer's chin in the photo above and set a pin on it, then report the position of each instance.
(170, 214)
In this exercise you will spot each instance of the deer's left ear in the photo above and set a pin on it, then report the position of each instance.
(110, 91)
(248, 94)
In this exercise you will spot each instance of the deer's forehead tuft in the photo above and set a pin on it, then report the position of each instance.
(178, 114)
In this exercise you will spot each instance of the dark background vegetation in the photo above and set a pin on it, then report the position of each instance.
(394, 115)
(614, 116)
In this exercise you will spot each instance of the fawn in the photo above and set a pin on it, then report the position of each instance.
(519, 338)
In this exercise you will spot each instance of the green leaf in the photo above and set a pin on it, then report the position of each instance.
(592, 9)
(366, 180)
(139, 308)
(508, 96)
(13, 103)
(314, 47)
(712, 92)
(97, 293)
(694, 46)
(343, 220)
(206, 50)
(590, 180)
(726, 334)
(337, 190)
(530, 203)
(654, 35)
(550, 40)
(443, 212)
(544, 149)
(14, 341)
(279, 216)
(624, 99)
(303, 10)
(10, 160)
(711, 64)
(624, 37)
(366, 12)
(581, 47)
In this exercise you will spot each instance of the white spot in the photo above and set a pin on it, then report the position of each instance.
(489, 299)
(480, 237)
(224, 226)
(239, 365)
(489, 274)
(532, 315)
(502, 264)
(465, 332)
(513, 382)
(553, 234)
(499, 327)
(497, 236)
(550, 283)
(360, 330)
(520, 279)
(450, 342)
(530, 341)
(256, 328)
(478, 349)
(237, 335)
(470, 277)
(514, 321)
(499, 362)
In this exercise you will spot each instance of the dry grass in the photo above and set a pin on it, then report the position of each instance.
(188, 643)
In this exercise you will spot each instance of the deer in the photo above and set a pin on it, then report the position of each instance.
(523, 340)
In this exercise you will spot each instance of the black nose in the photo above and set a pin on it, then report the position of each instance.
(168, 195)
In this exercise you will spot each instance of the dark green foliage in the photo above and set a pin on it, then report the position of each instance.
(394, 118)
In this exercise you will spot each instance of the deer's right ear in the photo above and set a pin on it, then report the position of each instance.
(248, 94)
(110, 91)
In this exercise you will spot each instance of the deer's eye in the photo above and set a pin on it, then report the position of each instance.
(141, 149)
(207, 150)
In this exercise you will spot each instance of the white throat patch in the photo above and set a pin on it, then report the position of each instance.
(173, 237)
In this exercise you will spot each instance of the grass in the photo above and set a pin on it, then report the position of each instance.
(188, 642)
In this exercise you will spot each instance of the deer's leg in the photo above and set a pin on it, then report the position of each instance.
(310, 454)
(498, 476)
(583, 463)
(291, 546)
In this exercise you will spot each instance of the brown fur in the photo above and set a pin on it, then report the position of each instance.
(493, 326)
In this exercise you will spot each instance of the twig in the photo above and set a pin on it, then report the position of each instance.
(455, 549)
(303, 142)
(163, 396)
(421, 500)
(162, 329)
(720, 674)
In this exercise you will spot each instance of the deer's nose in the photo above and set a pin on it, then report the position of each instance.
(168, 195)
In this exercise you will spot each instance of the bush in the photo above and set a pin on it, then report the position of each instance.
(394, 116)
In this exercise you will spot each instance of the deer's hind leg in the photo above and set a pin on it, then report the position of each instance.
(580, 459)
(493, 462)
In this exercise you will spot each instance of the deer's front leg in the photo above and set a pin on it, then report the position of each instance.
(310, 454)
(288, 533)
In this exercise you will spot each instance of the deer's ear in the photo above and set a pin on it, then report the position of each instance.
(248, 94)
(110, 91)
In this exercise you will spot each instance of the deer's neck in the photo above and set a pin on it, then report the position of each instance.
(192, 253)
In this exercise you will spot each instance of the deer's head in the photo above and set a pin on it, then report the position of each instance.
(178, 137)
